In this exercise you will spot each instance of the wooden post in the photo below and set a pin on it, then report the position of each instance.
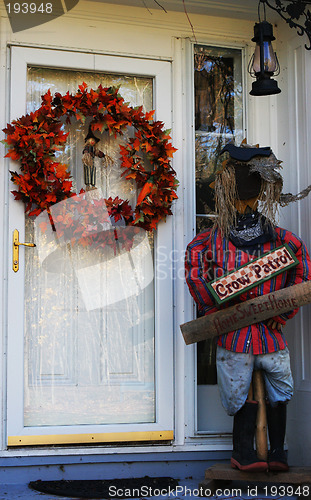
(261, 426)
(250, 395)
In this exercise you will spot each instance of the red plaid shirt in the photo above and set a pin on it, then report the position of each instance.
(209, 257)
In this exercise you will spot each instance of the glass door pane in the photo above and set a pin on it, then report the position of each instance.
(218, 120)
(89, 312)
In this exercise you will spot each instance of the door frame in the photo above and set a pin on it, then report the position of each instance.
(162, 429)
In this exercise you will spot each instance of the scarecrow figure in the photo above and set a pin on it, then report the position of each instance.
(89, 153)
(250, 179)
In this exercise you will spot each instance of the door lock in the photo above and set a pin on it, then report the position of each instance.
(16, 245)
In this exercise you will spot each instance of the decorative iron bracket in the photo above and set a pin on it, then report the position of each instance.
(295, 13)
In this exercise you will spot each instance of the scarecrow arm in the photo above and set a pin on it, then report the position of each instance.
(196, 277)
(296, 275)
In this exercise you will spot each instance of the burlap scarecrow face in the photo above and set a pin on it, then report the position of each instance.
(248, 173)
(91, 137)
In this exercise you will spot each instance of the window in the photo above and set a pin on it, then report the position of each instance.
(218, 121)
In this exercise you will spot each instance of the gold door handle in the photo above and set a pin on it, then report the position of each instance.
(16, 245)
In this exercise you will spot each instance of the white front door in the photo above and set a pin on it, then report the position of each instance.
(89, 345)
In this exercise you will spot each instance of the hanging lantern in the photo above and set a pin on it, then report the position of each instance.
(264, 63)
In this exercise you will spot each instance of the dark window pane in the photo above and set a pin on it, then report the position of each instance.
(203, 223)
(206, 362)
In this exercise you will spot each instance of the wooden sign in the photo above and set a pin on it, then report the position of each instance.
(252, 274)
(247, 313)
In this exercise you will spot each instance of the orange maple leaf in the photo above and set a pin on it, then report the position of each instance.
(13, 155)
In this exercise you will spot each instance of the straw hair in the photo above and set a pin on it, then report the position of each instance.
(226, 196)
(270, 200)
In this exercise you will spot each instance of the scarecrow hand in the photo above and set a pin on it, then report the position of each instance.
(274, 325)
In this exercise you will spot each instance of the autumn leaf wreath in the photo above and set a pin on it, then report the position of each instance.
(42, 181)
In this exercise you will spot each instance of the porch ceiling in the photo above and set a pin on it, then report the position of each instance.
(240, 9)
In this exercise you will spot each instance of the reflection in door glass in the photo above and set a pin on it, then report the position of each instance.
(89, 305)
(218, 121)
(218, 118)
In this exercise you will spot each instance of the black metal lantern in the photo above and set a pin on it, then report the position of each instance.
(264, 63)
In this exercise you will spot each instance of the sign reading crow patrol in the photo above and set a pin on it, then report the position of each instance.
(252, 274)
